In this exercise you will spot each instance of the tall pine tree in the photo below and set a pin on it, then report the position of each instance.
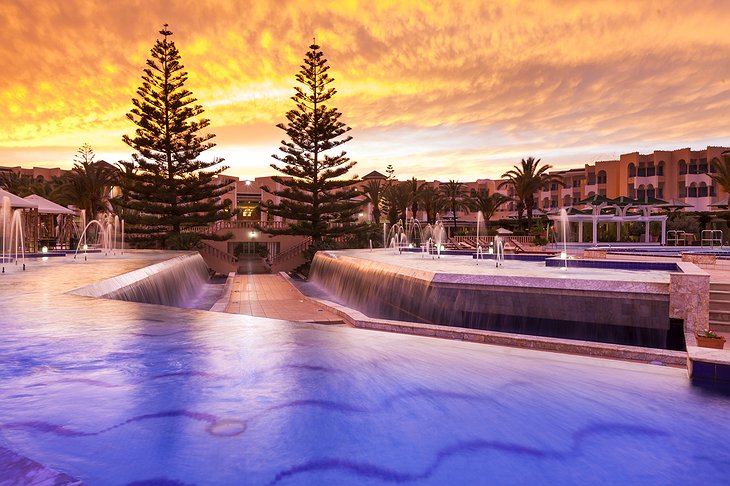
(165, 188)
(316, 198)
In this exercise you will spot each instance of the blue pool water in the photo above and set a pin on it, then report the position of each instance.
(122, 393)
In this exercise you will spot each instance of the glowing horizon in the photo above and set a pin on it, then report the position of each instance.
(455, 90)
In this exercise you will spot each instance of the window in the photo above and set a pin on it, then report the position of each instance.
(692, 190)
(602, 177)
(713, 165)
(660, 169)
(642, 171)
(576, 182)
(702, 190)
(682, 167)
(632, 170)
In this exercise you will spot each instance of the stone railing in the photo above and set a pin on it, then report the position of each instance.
(229, 225)
(207, 248)
(292, 252)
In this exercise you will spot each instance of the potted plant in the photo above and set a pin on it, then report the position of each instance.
(708, 338)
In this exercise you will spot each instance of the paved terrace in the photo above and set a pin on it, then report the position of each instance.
(274, 297)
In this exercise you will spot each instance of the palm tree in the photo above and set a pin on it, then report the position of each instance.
(88, 185)
(722, 174)
(416, 195)
(374, 191)
(526, 179)
(433, 202)
(488, 204)
(457, 198)
(24, 185)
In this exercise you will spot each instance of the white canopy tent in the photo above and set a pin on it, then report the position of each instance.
(16, 202)
(47, 207)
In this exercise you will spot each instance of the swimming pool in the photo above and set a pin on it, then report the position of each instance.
(114, 392)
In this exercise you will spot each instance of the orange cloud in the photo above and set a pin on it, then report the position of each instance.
(455, 88)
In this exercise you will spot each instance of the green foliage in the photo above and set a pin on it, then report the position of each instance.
(708, 333)
(165, 187)
(25, 185)
(456, 197)
(374, 191)
(88, 185)
(526, 179)
(488, 204)
(183, 241)
(684, 222)
(315, 196)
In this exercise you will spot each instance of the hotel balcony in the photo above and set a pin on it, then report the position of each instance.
(654, 180)
(590, 188)
(696, 178)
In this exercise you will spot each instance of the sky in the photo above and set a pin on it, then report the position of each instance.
(441, 90)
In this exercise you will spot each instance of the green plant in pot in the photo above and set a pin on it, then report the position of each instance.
(707, 338)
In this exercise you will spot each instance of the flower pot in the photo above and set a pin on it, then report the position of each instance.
(716, 343)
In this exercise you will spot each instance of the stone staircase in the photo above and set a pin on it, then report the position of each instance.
(720, 306)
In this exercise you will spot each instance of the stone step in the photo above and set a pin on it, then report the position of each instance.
(719, 286)
(719, 305)
(719, 316)
(720, 326)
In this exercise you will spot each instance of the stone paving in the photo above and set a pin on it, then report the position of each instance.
(274, 297)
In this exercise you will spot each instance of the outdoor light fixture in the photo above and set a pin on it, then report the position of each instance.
(563, 255)
(252, 234)
(85, 247)
(44, 249)
(248, 183)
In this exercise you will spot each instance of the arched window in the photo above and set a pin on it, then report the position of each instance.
(641, 192)
(642, 170)
(632, 170)
(566, 201)
(702, 191)
(601, 179)
(682, 167)
(650, 192)
(660, 168)
(546, 203)
(692, 190)
(650, 170)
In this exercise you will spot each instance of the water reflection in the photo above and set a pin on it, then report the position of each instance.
(114, 392)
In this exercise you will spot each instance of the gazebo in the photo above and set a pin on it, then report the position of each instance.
(9, 202)
(607, 210)
(54, 223)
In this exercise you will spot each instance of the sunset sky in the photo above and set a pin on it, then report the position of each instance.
(440, 90)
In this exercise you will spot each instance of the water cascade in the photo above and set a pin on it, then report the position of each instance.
(386, 290)
(176, 282)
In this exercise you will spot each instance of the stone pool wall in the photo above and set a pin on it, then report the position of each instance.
(621, 312)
